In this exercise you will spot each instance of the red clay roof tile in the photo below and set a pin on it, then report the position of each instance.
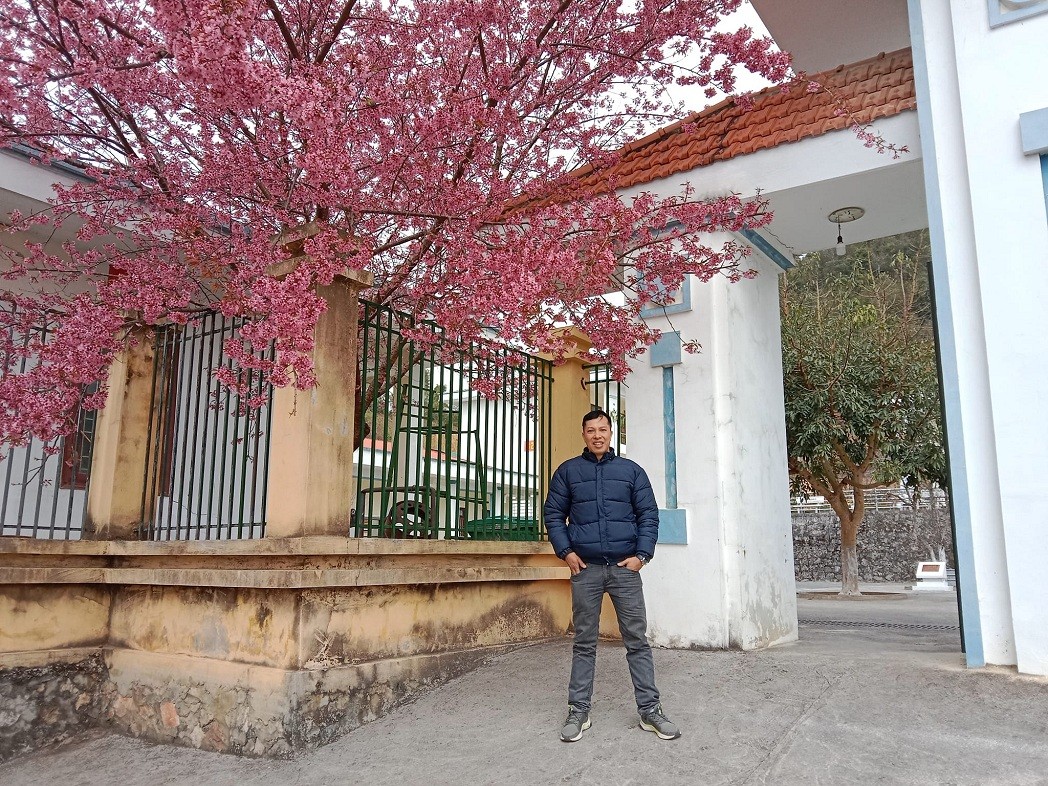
(879, 87)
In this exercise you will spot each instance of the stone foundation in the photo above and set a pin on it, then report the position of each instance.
(266, 712)
(41, 705)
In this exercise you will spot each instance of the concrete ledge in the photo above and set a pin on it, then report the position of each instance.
(311, 545)
(267, 647)
(276, 579)
(291, 563)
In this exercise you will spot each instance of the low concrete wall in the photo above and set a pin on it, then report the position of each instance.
(890, 544)
(262, 648)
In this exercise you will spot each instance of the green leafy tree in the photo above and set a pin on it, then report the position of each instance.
(860, 376)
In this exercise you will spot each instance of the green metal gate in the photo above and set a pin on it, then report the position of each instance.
(436, 458)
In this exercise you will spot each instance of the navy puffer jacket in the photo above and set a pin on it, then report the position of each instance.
(604, 511)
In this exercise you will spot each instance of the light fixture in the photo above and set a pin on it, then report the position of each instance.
(841, 249)
(843, 215)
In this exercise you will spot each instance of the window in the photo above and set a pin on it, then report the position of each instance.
(77, 448)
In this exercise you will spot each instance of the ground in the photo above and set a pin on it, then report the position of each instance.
(874, 692)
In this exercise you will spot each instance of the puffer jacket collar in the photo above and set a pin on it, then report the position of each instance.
(589, 455)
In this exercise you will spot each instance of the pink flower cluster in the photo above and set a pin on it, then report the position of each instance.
(239, 154)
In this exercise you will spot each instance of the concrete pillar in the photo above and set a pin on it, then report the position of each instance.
(569, 401)
(723, 571)
(311, 485)
(118, 465)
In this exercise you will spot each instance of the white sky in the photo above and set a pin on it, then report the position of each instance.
(693, 97)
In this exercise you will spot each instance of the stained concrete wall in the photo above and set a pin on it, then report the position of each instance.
(66, 616)
(262, 647)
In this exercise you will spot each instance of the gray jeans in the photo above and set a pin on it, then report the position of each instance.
(627, 593)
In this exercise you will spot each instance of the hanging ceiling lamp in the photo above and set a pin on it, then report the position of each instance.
(843, 215)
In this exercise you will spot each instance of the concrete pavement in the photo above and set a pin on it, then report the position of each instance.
(874, 692)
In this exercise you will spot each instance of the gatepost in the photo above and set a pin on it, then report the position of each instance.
(114, 499)
(311, 483)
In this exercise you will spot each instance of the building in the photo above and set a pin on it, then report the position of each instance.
(960, 85)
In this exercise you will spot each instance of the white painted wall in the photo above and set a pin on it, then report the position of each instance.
(996, 235)
(751, 432)
(732, 585)
(684, 585)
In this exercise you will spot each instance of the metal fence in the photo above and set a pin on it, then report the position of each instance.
(45, 485)
(45, 492)
(437, 458)
(890, 498)
(208, 459)
(608, 394)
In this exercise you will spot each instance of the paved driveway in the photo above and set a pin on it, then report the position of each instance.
(874, 692)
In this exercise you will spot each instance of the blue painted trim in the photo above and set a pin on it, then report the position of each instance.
(1044, 179)
(1033, 130)
(666, 351)
(683, 303)
(960, 495)
(761, 244)
(669, 432)
(1000, 17)
(673, 526)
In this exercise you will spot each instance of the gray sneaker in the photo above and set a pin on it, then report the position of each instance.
(657, 722)
(576, 723)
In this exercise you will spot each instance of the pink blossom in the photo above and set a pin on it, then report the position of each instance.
(227, 143)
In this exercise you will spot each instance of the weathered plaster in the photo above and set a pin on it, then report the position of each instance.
(232, 647)
(45, 618)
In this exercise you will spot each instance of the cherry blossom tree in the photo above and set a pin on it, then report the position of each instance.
(240, 153)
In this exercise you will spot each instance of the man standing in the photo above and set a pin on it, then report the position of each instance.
(603, 522)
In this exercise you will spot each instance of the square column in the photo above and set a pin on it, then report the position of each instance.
(569, 401)
(311, 485)
(715, 451)
(118, 465)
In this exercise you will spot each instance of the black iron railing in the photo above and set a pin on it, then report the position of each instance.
(437, 458)
(208, 461)
(608, 394)
(45, 485)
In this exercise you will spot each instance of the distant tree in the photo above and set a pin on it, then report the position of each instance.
(860, 376)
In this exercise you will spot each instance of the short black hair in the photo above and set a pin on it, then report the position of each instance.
(593, 415)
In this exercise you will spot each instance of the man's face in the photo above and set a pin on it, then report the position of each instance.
(597, 433)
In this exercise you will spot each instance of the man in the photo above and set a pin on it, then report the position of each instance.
(603, 522)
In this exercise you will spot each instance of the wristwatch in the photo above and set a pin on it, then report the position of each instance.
(643, 559)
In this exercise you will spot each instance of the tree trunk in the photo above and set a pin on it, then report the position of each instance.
(849, 569)
(850, 518)
(916, 538)
(849, 554)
